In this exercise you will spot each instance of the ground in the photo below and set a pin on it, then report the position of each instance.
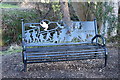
(12, 68)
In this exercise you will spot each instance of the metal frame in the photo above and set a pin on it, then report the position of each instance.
(93, 48)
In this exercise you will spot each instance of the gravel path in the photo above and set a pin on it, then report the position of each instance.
(12, 68)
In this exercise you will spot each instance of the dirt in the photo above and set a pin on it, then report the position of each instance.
(12, 68)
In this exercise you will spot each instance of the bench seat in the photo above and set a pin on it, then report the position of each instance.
(38, 54)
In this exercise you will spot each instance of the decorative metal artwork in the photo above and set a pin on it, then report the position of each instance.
(80, 32)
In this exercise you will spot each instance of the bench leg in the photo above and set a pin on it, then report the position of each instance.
(25, 67)
(105, 60)
(24, 61)
(23, 56)
(95, 55)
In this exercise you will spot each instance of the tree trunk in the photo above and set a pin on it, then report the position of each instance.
(66, 15)
(79, 10)
(82, 11)
(65, 10)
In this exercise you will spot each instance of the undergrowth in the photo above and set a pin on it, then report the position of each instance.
(4, 5)
(12, 49)
(11, 24)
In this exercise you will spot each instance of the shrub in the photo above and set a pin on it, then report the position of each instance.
(11, 24)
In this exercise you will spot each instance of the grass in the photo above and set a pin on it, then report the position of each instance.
(8, 6)
(12, 49)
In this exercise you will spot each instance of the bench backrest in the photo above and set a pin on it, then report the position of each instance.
(57, 32)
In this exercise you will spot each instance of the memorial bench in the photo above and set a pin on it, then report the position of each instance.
(50, 41)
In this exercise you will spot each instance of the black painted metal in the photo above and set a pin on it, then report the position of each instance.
(63, 52)
(66, 57)
(103, 39)
(96, 31)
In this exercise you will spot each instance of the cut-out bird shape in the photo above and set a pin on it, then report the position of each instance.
(44, 25)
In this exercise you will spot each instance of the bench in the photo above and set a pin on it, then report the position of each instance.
(50, 41)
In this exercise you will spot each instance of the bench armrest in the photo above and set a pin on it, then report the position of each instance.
(100, 36)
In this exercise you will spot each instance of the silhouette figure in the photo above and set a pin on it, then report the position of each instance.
(27, 37)
(35, 38)
(62, 35)
(55, 37)
(48, 36)
(42, 38)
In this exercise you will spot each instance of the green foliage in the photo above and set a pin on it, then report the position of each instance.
(103, 12)
(50, 11)
(113, 39)
(12, 23)
(0, 37)
(8, 6)
(56, 7)
(11, 20)
(57, 10)
(12, 49)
